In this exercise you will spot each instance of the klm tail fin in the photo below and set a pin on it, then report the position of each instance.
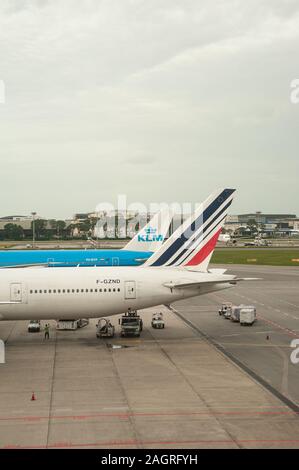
(193, 243)
(152, 236)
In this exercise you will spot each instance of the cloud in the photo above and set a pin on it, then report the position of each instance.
(195, 94)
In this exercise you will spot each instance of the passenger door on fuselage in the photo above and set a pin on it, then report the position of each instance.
(130, 290)
(16, 292)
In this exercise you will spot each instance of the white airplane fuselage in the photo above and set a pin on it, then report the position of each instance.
(93, 292)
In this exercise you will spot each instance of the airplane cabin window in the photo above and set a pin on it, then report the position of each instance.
(58, 291)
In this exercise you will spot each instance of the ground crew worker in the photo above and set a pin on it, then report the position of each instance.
(47, 331)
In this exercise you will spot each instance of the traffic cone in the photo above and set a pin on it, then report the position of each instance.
(33, 397)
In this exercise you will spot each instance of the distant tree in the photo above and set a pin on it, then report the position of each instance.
(40, 228)
(81, 228)
(69, 230)
(60, 228)
(93, 222)
(84, 226)
(252, 225)
(13, 232)
(51, 228)
(53, 224)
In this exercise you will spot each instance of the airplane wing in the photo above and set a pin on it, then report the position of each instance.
(33, 265)
(140, 260)
(185, 285)
(25, 266)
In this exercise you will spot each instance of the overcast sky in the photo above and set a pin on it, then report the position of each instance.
(162, 100)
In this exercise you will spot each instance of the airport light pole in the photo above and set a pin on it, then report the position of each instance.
(33, 228)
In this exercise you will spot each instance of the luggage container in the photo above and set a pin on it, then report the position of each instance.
(247, 315)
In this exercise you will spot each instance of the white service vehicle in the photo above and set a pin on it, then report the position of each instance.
(227, 314)
(258, 241)
(71, 324)
(105, 329)
(235, 313)
(225, 307)
(158, 321)
(131, 324)
(247, 315)
(34, 326)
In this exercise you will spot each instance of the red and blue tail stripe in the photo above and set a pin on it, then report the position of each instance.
(202, 235)
(197, 237)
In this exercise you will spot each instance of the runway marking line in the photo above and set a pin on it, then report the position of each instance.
(154, 442)
(276, 325)
(149, 415)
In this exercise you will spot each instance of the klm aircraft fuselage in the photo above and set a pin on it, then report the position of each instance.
(65, 258)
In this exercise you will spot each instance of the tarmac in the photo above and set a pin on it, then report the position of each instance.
(180, 387)
(276, 297)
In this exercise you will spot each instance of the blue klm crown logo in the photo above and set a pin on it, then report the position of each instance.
(150, 235)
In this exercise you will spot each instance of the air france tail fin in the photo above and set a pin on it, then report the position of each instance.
(152, 236)
(193, 243)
